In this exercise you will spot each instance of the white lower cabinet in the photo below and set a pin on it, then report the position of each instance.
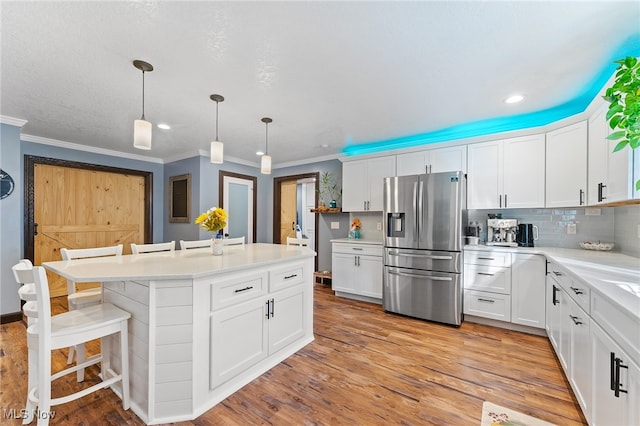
(577, 324)
(505, 287)
(248, 331)
(554, 314)
(357, 269)
(615, 382)
(528, 290)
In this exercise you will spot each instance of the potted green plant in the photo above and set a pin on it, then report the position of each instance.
(328, 191)
(624, 105)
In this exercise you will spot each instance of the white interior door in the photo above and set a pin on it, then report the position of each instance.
(238, 199)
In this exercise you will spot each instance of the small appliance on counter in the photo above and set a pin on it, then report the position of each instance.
(472, 236)
(526, 237)
(502, 232)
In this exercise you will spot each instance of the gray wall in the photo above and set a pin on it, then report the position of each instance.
(11, 219)
(325, 233)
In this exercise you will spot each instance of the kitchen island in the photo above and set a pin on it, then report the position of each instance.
(203, 326)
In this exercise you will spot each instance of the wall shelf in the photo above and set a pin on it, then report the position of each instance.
(328, 211)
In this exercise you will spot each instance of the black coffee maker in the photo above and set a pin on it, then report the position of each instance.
(525, 237)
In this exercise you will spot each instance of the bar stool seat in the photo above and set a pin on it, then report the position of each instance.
(72, 328)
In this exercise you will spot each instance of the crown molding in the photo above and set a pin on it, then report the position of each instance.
(205, 153)
(306, 161)
(78, 147)
(11, 121)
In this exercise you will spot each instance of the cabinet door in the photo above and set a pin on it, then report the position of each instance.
(354, 186)
(523, 172)
(598, 148)
(566, 177)
(448, 159)
(619, 174)
(238, 339)
(343, 274)
(564, 323)
(377, 170)
(528, 290)
(607, 408)
(370, 276)
(412, 163)
(286, 318)
(553, 312)
(580, 356)
(484, 182)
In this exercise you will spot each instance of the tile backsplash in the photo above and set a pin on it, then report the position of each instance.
(607, 224)
(368, 225)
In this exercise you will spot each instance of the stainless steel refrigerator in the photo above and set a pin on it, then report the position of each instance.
(424, 216)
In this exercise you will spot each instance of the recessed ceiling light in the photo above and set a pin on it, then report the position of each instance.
(259, 152)
(164, 126)
(514, 99)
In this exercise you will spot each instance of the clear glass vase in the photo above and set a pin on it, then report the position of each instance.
(216, 245)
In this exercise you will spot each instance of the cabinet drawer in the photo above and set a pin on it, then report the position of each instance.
(358, 249)
(237, 288)
(577, 290)
(487, 305)
(488, 258)
(487, 278)
(286, 277)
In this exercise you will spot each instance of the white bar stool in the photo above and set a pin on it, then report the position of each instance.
(46, 333)
(83, 298)
(152, 248)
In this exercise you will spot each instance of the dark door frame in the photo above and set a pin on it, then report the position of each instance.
(29, 189)
(277, 184)
(221, 175)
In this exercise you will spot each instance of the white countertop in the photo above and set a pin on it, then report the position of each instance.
(358, 241)
(181, 264)
(615, 276)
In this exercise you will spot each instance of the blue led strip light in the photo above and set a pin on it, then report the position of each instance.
(631, 47)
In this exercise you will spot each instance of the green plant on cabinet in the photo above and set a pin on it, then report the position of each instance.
(329, 192)
(624, 105)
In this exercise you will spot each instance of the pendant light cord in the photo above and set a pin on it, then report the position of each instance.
(266, 141)
(216, 121)
(143, 94)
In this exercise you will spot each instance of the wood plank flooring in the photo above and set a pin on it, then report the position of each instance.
(365, 367)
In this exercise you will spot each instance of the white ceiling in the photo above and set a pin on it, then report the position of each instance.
(328, 73)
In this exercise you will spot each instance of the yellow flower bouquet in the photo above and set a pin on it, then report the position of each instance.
(213, 220)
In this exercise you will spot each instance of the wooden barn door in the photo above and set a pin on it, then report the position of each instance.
(288, 221)
(81, 208)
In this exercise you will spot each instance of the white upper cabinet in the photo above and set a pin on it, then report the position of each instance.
(432, 161)
(566, 157)
(362, 183)
(610, 176)
(506, 173)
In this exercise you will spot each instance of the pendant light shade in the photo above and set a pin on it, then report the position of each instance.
(142, 128)
(265, 160)
(217, 147)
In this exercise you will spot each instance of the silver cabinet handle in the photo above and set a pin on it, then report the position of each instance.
(357, 248)
(429, 277)
(486, 258)
(485, 273)
(485, 300)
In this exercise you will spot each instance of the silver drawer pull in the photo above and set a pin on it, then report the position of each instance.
(290, 276)
(485, 300)
(485, 273)
(576, 290)
(406, 274)
(422, 256)
(240, 290)
(486, 258)
(357, 248)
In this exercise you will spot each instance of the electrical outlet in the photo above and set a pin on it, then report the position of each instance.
(592, 212)
(571, 228)
(379, 226)
(335, 225)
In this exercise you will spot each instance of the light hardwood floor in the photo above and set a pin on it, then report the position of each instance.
(365, 367)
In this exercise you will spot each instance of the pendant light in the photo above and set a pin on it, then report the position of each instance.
(217, 147)
(265, 160)
(142, 128)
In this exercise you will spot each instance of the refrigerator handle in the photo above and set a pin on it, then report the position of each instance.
(420, 207)
(416, 211)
